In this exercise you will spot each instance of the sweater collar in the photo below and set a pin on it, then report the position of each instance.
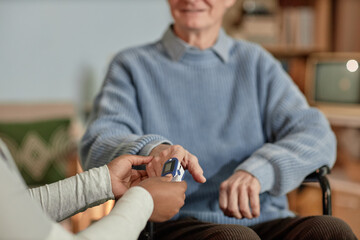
(176, 47)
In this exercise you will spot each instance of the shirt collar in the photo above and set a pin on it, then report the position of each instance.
(176, 47)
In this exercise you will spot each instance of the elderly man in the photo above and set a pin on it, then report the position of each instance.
(234, 115)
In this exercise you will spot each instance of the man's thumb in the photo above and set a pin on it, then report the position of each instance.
(167, 178)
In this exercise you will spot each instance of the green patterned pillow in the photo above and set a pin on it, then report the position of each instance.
(40, 148)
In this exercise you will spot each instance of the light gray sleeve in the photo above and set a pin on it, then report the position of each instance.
(22, 218)
(65, 198)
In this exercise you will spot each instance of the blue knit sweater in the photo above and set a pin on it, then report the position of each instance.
(232, 106)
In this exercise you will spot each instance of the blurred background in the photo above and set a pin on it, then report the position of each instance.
(50, 49)
(54, 56)
(318, 44)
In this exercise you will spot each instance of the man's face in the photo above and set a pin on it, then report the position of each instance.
(198, 14)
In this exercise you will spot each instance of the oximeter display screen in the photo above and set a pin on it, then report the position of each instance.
(173, 167)
(169, 167)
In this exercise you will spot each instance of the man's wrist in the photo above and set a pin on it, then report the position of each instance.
(148, 148)
(261, 169)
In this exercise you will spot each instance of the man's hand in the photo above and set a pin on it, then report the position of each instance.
(168, 196)
(123, 176)
(237, 192)
(164, 152)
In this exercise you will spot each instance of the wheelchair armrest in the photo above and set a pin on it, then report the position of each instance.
(320, 172)
(320, 176)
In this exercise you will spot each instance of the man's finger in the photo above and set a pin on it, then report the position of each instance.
(244, 202)
(195, 170)
(233, 202)
(223, 199)
(167, 178)
(150, 170)
(138, 160)
(254, 202)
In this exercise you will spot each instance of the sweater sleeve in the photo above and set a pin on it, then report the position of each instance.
(115, 126)
(22, 218)
(65, 198)
(299, 138)
(126, 220)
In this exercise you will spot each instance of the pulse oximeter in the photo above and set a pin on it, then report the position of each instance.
(173, 167)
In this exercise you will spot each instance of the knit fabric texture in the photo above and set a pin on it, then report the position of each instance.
(232, 105)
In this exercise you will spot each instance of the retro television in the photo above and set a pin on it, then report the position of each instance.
(333, 79)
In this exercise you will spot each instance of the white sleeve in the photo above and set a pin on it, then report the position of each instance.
(125, 221)
(22, 218)
(65, 198)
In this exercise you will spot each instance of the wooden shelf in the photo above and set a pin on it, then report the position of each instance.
(288, 52)
(341, 115)
(340, 181)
